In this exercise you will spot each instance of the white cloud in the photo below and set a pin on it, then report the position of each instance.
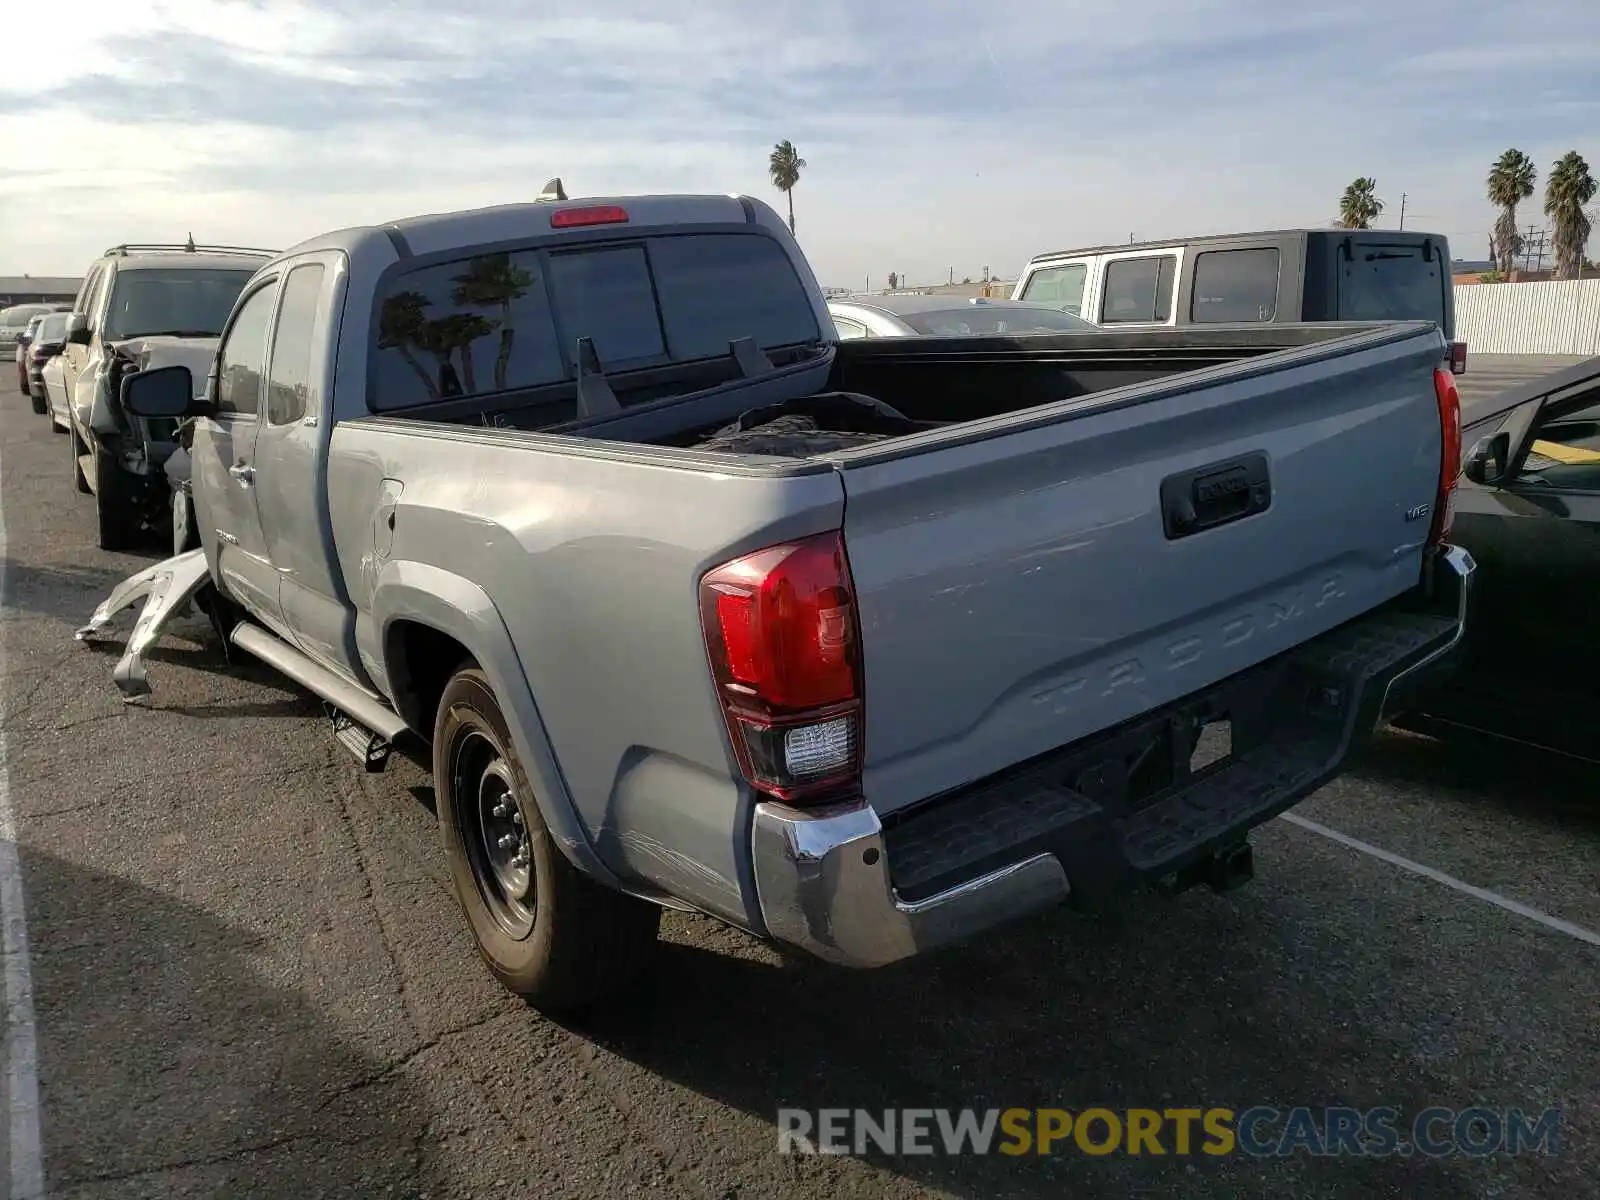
(939, 134)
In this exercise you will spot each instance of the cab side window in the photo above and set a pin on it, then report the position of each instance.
(243, 355)
(1138, 290)
(88, 303)
(289, 379)
(1235, 286)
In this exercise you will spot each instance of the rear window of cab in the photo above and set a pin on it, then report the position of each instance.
(498, 322)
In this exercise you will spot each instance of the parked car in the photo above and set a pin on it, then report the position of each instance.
(14, 323)
(53, 377)
(140, 306)
(45, 342)
(864, 646)
(946, 316)
(20, 351)
(1255, 278)
(1528, 510)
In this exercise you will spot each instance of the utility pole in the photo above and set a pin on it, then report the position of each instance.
(1534, 245)
(1402, 210)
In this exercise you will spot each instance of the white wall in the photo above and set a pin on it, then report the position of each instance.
(1530, 318)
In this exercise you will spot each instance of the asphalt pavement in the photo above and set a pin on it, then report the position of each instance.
(249, 978)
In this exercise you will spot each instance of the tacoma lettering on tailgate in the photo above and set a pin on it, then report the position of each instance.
(1108, 678)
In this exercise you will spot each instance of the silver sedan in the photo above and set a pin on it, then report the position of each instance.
(948, 316)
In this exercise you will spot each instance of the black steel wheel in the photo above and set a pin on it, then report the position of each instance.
(548, 931)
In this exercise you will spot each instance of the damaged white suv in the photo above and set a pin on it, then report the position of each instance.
(141, 306)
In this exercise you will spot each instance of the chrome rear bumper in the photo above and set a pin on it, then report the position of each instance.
(823, 878)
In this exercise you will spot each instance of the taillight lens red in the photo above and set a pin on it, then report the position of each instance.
(1458, 358)
(594, 214)
(1444, 388)
(785, 648)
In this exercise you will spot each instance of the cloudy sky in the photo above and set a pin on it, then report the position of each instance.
(939, 134)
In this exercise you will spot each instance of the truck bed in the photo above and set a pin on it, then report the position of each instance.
(1019, 581)
(931, 383)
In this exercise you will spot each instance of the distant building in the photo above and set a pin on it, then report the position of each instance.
(37, 289)
(997, 289)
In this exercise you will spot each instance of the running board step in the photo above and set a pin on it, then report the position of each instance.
(369, 749)
(362, 724)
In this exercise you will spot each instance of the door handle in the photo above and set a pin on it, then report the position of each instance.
(244, 473)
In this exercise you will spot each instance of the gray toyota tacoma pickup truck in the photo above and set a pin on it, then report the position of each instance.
(863, 647)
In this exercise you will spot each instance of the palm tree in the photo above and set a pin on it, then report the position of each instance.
(492, 280)
(1360, 206)
(400, 326)
(784, 164)
(1568, 189)
(1510, 182)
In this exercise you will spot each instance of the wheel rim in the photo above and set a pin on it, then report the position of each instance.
(495, 832)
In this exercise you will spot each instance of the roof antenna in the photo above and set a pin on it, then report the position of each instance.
(189, 245)
(553, 190)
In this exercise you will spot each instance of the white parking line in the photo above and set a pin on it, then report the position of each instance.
(1450, 881)
(21, 1038)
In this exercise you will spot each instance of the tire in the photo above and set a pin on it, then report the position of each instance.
(185, 535)
(113, 504)
(40, 405)
(56, 424)
(79, 480)
(580, 941)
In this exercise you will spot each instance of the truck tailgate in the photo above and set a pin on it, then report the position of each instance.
(1022, 589)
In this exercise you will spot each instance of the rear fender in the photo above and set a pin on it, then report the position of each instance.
(166, 588)
(460, 609)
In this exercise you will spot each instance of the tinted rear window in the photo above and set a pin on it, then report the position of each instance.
(1390, 283)
(510, 320)
(605, 294)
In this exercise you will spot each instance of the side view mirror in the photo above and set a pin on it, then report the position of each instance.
(1486, 462)
(77, 330)
(162, 392)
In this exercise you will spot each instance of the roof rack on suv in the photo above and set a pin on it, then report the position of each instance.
(185, 248)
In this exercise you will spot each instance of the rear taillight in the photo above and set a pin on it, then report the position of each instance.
(785, 649)
(1458, 358)
(1444, 388)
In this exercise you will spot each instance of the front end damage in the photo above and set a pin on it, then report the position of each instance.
(147, 442)
(168, 590)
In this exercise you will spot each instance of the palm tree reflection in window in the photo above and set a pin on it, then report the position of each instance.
(401, 327)
(490, 281)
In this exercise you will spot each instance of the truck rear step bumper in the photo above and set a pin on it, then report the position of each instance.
(844, 886)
